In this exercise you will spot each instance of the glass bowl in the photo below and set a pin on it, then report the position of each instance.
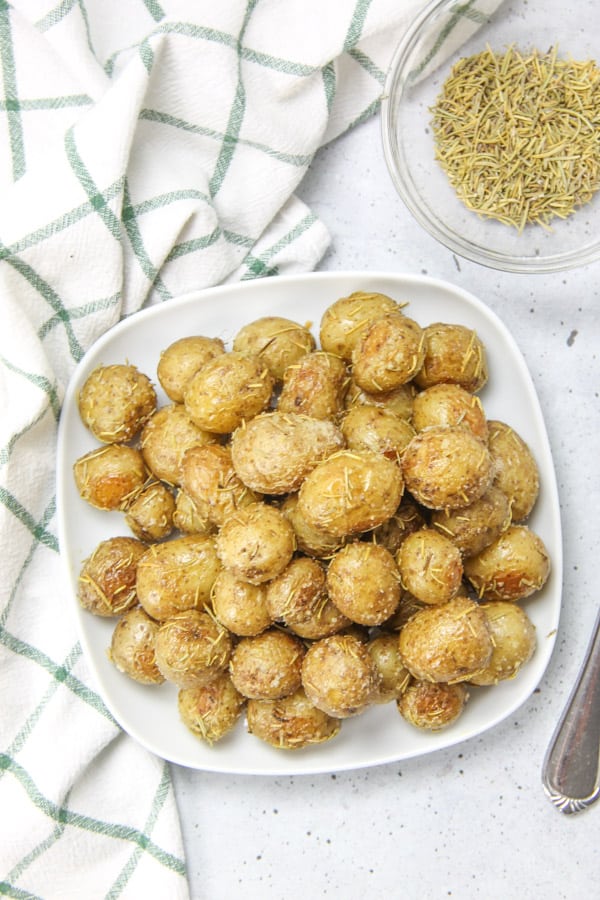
(446, 31)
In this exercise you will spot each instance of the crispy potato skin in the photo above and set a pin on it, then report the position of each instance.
(109, 477)
(453, 354)
(228, 389)
(515, 566)
(432, 706)
(177, 575)
(115, 401)
(107, 578)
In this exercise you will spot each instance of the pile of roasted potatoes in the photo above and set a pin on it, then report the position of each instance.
(312, 527)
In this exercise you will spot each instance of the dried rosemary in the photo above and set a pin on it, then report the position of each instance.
(519, 134)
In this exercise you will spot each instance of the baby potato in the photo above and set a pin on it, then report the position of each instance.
(344, 321)
(339, 676)
(211, 482)
(394, 677)
(240, 606)
(211, 710)
(407, 518)
(150, 513)
(277, 341)
(377, 429)
(454, 354)
(447, 642)
(188, 518)
(110, 476)
(268, 665)
(291, 722)
(516, 471)
(165, 438)
(389, 353)
(132, 647)
(182, 359)
(350, 492)
(309, 540)
(473, 527)
(514, 639)
(227, 390)
(399, 401)
(177, 575)
(432, 706)
(314, 386)
(449, 404)
(256, 543)
(446, 467)
(192, 648)
(430, 566)
(274, 452)
(106, 583)
(115, 401)
(298, 592)
(324, 620)
(407, 607)
(364, 583)
(513, 567)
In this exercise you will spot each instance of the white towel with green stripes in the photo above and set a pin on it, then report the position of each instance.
(147, 148)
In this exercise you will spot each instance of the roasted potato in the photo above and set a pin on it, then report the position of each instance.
(211, 710)
(256, 544)
(132, 648)
(399, 401)
(291, 722)
(364, 583)
(278, 342)
(344, 321)
(432, 706)
(110, 476)
(514, 640)
(177, 575)
(192, 648)
(314, 386)
(107, 578)
(472, 528)
(388, 353)
(377, 429)
(515, 469)
(309, 540)
(182, 359)
(449, 404)
(407, 518)
(150, 513)
(298, 592)
(115, 401)
(240, 606)
(513, 567)
(209, 479)
(430, 566)
(454, 354)
(339, 676)
(165, 438)
(394, 677)
(267, 666)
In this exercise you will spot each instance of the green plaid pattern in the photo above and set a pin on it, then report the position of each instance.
(142, 155)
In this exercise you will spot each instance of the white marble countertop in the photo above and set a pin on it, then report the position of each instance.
(471, 821)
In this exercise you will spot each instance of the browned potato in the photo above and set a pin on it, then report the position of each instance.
(339, 676)
(291, 722)
(455, 354)
(475, 526)
(188, 518)
(446, 467)
(432, 706)
(279, 342)
(111, 476)
(177, 575)
(182, 359)
(514, 639)
(350, 492)
(407, 518)
(377, 429)
(344, 321)
(364, 583)
(314, 386)
(449, 404)
(132, 647)
(192, 648)
(298, 592)
(274, 452)
(407, 607)
(267, 666)
(389, 353)
(106, 584)
(430, 566)
(326, 619)
(516, 471)
(394, 677)
(211, 482)
(256, 544)
(150, 513)
(446, 642)
(240, 606)
(165, 438)
(399, 401)
(309, 539)
(227, 390)
(115, 401)
(513, 567)
(211, 710)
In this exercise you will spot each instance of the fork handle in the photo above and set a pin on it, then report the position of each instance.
(571, 768)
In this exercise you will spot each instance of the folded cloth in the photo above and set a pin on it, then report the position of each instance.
(146, 150)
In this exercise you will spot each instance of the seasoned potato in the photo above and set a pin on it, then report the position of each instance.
(399, 401)
(177, 575)
(115, 401)
(324, 620)
(267, 666)
(211, 482)
(188, 518)
(256, 544)
(106, 584)
(298, 592)
(350, 492)
(274, 452)
(454, 354)
(449, 404)
(516, 471)
(165, 438)
(309, 540)
(446, 467)
(364, 583)
(339, 676)
(291, 722)
(192, 648)
(344, 321)
(514, 639)
(182, 359)
(315, 386)
(150, 513)
(430, 566)
(513, 567)
(132, 647)
(446, 642)
(377, 429)
(277, 341)
(407, 518)
(240, 606)
(432, 706)
(475, 526)
(110, 476)
(227, 390)
(394, 677)
(211, 710)
(407, 607)
(389, 353)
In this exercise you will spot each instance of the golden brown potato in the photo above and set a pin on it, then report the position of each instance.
(399, 401)
(132, 647)
(256, 544)
(277, 341)
(432, 706)
(513, 567)
(514, 639)
(339, 676)
(165, 438)
(267, 666)
(446, 467)
(314, 386)
(377, 429)
(298, 592)
(240, 606)
(182, 359)
(430, 566)
(192, 648)
(150, 513)
(309, 540)
(111, 476)
(389, 353)
(211, 710)
(211, 482)
(350, 492)
(475, 526)
(344, 321)
(446, 642)
(449, 404)
(394, 677)
(407, 607)
(454, 354)
(188, 518)
(516, 471)
(177, 575)
(115, 401)
(227, 390)
(291, 722)
(274, 452)
(106, 583)
(407, 518)
(364, 583)
(326, 619)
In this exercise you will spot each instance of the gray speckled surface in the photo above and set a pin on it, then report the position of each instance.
(471, 821)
